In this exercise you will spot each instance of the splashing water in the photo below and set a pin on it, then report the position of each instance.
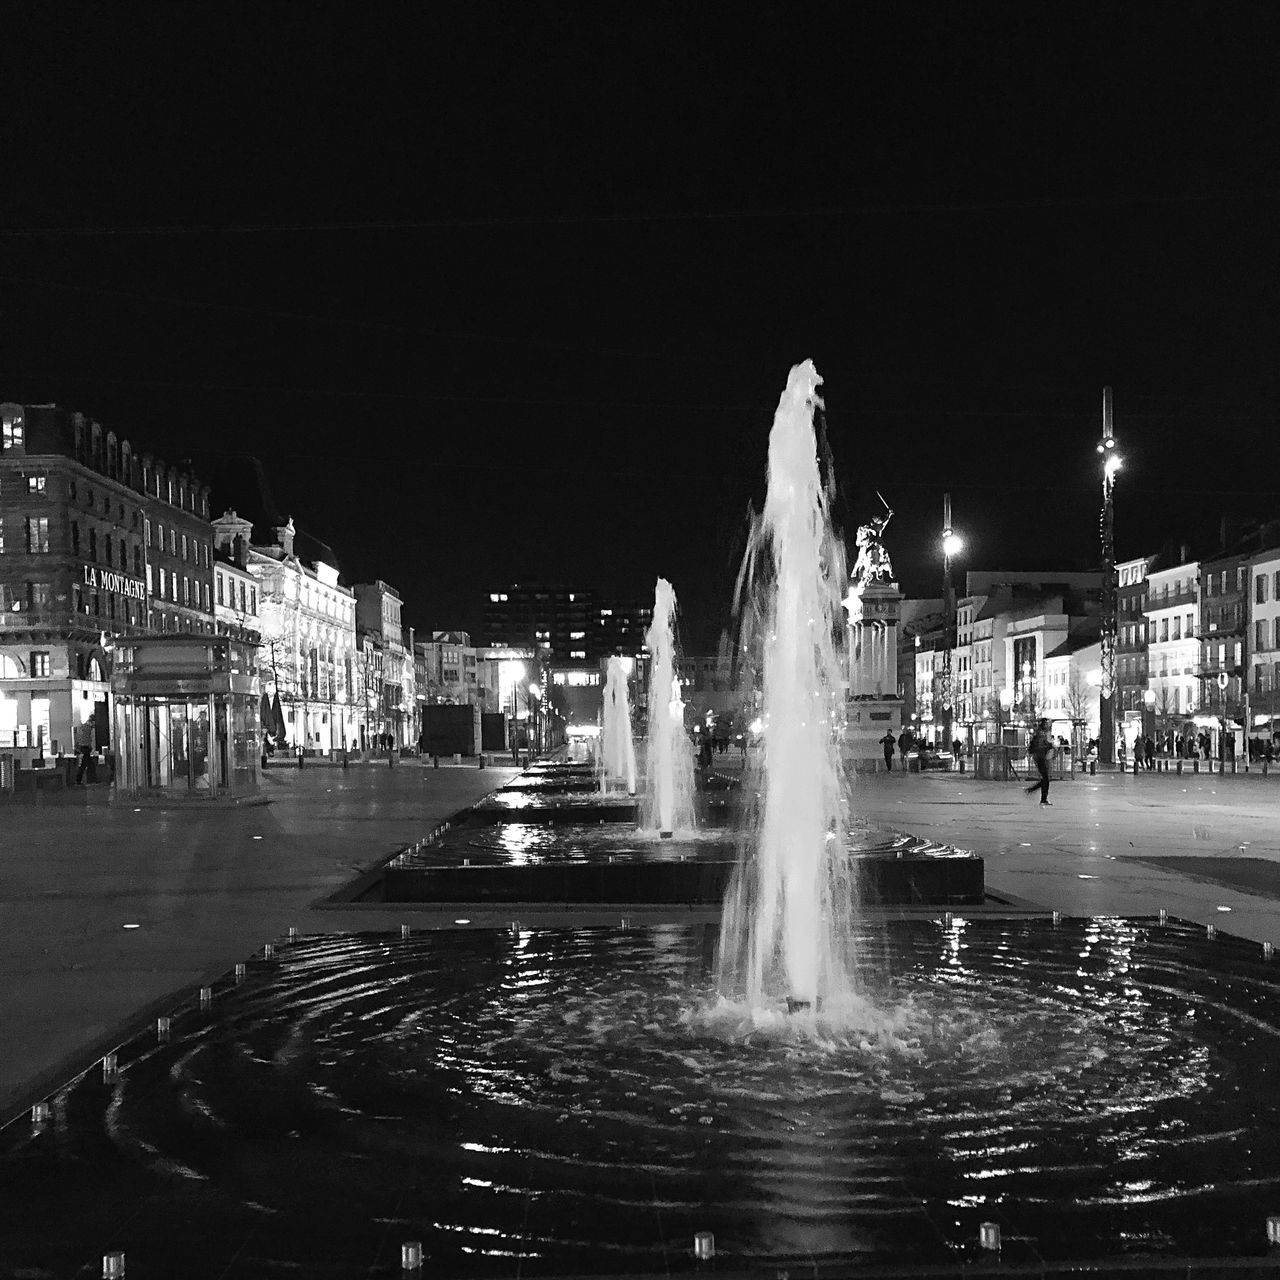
(617, 751)
(788, 914)
(668, 762)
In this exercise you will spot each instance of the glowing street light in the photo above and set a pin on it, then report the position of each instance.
(1106, 527)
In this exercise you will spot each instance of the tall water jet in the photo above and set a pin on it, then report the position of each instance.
(789, 910)
(617, 751)
(668, 763)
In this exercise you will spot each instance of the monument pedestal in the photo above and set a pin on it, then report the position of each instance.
(874, 706)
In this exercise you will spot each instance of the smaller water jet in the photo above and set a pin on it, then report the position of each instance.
(617, 751)
(668, 763)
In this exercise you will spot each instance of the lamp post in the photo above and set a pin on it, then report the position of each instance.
(951, 545)
(1107, 688)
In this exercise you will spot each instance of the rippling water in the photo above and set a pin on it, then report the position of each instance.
(571, 1100)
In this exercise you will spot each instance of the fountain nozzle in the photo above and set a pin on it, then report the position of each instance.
(798, 1006)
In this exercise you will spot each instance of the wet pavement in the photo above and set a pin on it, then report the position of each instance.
(204, 885)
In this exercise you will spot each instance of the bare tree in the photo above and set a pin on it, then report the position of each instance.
(1077, 699)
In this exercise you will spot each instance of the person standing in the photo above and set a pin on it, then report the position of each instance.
(904, 745)
(1151, 754)
(1038, 749)
(888, 743)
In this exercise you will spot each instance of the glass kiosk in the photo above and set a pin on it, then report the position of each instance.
(186, 710)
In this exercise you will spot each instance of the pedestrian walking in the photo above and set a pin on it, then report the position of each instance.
(1038, 749)
(888, 742)
(904, 745)
(1151, 754)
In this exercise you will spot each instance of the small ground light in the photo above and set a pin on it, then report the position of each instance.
(704, 1246)
(1210, 931)
(1164, 916)
(206, 997)
(989, 1236)
(113, 1265)
(240, 970)
(1057, 918)
(405, 931)
(464, 921)
(1223, 908)
(268, 950)
(411, 1255)
(257, 837)
(40, 1112)
(131, 926)
(109, 1069)
(1273, 1229)
(293, 933)
(162, 1028)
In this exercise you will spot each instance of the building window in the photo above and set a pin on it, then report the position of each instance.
(1275, 639)
(253, 600)
(39, 595)
(40, 664)
(38, 534)
(184, 546)
(1260, 589)
(163, 592)
(35, 484)
(173, 541)
(14, 430)
(220, 599)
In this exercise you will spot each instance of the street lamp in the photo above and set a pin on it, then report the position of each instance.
(1106, 692)
(535, 695)
(951, 545)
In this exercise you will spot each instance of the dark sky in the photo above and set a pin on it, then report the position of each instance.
(512, 291)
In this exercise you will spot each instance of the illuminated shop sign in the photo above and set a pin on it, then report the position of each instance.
(118, 584)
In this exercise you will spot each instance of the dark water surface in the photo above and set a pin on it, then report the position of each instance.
(557, 1101)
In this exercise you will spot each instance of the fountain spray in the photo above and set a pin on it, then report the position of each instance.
(617, 751)
(787, 921)
(668, 760)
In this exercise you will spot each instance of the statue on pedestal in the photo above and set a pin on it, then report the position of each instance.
(873, 564)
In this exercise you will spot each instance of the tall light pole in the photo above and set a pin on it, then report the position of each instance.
(950, 546)
(1107, 686)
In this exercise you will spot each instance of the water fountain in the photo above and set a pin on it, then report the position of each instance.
(617, 750)
(787, 920)
(668, 765)
(581, 1097)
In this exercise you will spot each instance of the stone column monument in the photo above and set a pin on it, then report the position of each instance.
(874, 608)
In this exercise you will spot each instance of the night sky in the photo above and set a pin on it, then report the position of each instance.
(512, 291)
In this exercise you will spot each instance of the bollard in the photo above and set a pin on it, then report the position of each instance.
(1179, 768)
(1268, 950)
(40, 1113)
(240, 971)
(405, 930)
(704, 1246)
(293, 933)
(1057, 918)
(206, 997)
(989, 1236)
(435, 762)
(268, 950)
(109, 1070)
(300, 757)
(162, 1029)
(1211, 931)
(1273, 1230)
(1164, 916)
(480, 759)
(113, 1265)
(1195, 765)
(411, 1255)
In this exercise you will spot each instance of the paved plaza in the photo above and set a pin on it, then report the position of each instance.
(206, 887)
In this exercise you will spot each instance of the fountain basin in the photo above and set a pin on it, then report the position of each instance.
(576, 1102)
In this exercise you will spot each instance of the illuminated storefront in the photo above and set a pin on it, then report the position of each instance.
(186, 716)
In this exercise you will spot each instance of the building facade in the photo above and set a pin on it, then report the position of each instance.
(308, 656)
(1171, 615)
(1263, 659)
(98, 543)
(567, 624)
(378, 618)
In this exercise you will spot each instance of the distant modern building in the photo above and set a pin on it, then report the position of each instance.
(567, 624)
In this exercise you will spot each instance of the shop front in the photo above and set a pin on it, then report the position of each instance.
(186, 717)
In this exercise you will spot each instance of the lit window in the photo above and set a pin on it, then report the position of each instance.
(14, 430)
(35, 484)
(40, 665)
